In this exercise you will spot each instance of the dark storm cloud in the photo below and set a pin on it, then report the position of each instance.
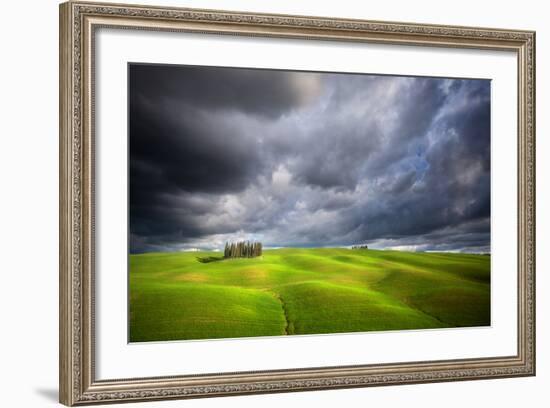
(307, 159)
(365, 125)
(229, 89)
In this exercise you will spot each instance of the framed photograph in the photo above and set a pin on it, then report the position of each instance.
(256, 203)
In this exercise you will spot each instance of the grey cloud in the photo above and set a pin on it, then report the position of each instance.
(300, 159)
(225, 89)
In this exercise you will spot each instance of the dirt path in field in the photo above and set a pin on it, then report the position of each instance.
(285, 312)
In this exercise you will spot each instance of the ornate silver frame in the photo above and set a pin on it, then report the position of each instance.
(78, 22)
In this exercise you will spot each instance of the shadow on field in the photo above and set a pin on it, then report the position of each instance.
(208, 259)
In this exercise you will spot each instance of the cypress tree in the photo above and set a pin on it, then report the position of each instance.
(242, 249)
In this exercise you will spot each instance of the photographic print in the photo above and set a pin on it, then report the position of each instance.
(326, 182)
(275, 202)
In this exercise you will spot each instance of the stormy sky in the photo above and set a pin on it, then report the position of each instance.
(307, 159)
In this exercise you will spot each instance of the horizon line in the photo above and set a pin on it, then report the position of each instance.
(274, 248)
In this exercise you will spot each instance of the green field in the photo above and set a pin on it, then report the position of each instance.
(199, 295)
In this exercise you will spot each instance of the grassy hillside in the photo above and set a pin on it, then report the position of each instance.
(199, 295)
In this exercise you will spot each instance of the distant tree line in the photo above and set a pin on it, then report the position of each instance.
(360, 247)
(243, 249)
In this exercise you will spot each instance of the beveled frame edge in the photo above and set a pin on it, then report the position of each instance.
(78, 21)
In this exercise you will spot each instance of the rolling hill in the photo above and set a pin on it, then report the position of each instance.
(200, 295)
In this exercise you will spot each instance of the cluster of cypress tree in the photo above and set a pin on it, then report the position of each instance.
(242, 249)
(360, 247)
